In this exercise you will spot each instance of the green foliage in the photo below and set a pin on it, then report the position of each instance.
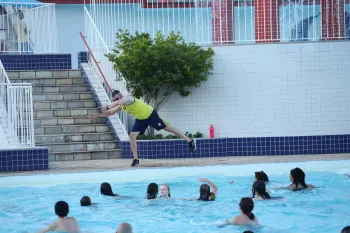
(154, 68)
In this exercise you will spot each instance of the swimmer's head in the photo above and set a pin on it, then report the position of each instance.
(346, 230)
(164, 190)
(261, 176)
(297, 176)
(85, 201)
(204, 192)
(246, 206)
(259, 187)
(248, 231)
(152, 191)
(124, 227)
(106, 189)
(117, 95)
(61, 209)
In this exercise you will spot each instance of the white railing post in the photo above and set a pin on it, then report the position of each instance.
(29, 28)
(17, 117)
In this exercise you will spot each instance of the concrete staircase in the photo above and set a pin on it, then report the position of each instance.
(62, 101)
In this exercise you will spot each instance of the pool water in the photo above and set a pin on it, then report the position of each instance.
(30, 209)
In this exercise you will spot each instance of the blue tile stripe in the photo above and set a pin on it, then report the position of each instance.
(36, 61)
(297, 145)
(24, 160)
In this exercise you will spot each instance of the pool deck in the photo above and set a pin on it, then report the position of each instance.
(123, 164)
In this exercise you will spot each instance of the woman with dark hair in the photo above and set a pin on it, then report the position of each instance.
(246, 207)
(259, 191)
(261, 176)
(204, 191)
(152, 191)
(106, 189)
(297, 177)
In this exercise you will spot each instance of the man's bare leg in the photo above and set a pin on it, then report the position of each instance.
(133, 145)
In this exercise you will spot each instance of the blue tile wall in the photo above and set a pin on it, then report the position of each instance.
(24, 159)
(298, 145)
(83, 57)
(36, 61)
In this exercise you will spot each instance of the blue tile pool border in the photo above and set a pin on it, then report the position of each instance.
(24, 159)
(255, 146)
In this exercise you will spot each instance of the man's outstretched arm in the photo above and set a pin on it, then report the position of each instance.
(126, 100)
(105, 114)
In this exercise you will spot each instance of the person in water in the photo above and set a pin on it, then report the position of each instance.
(204, 191)
(246, 216)
(346, 230)
(261, 176)
(152, 191)
(259, 191)
(85, 201)
(297, 177)
(164, 191)
(64, 223)
(106, 189)
(124, 227)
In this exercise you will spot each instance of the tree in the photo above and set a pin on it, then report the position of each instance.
(155, 68)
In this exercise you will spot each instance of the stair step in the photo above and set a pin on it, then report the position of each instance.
(70, 129)
(63, 96)
(80, 146)
(67, 138)
(57, 104)
(43, 73)
(61, 88)
(85, 155)
(77, 120)
(64, 112)
(49, 81)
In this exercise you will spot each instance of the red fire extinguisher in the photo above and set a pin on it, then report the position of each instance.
(211, 131)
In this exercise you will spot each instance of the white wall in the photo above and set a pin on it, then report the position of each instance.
(70, 20)
(3, 141)
(270, 90)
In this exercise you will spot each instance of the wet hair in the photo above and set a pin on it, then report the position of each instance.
(247, 206)
(167, 186)
(248, 232)
(61, 209)
(204, 192)
(115, 92)
(261, 176)
(106, 189)
(298, 177)
(85, 201)
(346, 230)
(260, 188)
(152, 191)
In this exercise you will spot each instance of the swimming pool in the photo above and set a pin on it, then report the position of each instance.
(26, 202)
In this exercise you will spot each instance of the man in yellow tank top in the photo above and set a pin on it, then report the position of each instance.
(144, 115)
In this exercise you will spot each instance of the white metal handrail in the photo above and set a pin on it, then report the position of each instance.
(102, 67)
(16, 111)
(28, 28)
(209, 22)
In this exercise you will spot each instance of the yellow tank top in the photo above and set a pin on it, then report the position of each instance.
(138, 109)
